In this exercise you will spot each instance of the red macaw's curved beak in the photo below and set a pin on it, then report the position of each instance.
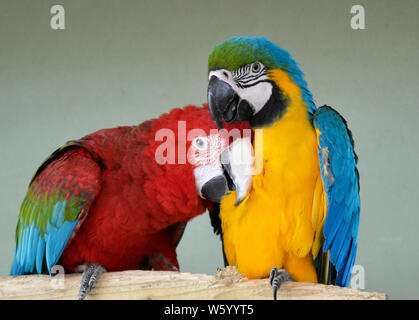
(211, 181)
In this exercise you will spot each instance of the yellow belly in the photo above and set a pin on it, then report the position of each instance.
(280, 222)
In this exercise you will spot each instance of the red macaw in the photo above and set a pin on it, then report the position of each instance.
(109, 202)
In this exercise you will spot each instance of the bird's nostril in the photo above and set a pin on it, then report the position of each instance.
(225, 74)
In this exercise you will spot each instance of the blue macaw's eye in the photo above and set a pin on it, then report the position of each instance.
(256, 67)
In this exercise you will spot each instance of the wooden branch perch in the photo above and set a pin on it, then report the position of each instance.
(226, 284)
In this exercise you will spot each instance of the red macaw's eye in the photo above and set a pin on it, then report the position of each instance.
(201, 143)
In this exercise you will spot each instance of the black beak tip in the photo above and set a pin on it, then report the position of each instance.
(215, 189)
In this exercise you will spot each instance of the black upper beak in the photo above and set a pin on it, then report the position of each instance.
(225, 104)
(222, 101)
(215, 189)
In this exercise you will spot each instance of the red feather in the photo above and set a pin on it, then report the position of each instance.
(128, 221)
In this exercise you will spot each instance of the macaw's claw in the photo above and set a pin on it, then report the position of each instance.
(277, 278)
(89, 278)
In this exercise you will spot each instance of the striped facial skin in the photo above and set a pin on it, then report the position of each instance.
(206, 150)
(251, 86)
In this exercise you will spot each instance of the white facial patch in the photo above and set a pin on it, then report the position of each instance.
(257, 95)
(204, 174)
(206, 150)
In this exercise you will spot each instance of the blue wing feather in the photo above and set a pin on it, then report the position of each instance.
(31, 249)
(47, 221)
(341, 180)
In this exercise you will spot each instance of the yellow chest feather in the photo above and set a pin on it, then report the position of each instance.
(284, 211)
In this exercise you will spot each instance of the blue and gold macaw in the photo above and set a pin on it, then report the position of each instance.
(307, 195)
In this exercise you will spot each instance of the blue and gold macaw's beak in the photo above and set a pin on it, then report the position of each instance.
(225, 104)
(238, 163)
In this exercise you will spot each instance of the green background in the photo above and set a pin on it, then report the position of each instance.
(123, 62)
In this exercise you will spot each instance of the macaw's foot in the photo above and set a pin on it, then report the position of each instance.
(160, 262)
(89, 278)
(277, 278)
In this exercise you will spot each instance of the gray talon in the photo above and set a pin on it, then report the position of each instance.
(89, 278)
(277, 279)
(274, 270)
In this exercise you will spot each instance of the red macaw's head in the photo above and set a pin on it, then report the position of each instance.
(188, 148)
(204, 155)
(220, 166)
